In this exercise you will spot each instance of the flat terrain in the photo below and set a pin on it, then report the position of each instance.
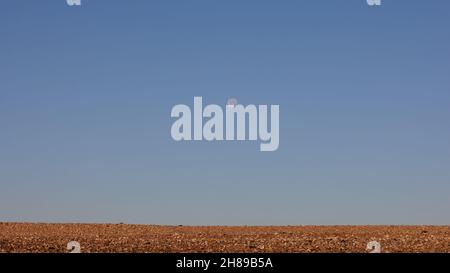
(23, 237)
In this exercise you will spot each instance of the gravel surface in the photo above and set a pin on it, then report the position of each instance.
(23, 237)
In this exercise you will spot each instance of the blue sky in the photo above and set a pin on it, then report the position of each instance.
(86, 94)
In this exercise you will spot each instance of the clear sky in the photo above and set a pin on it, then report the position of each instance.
(364, 94)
